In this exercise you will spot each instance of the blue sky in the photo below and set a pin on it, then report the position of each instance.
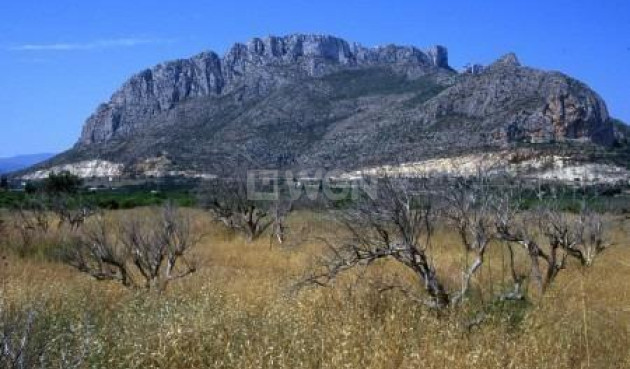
(60, 59)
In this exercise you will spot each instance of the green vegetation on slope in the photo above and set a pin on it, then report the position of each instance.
(352, 84)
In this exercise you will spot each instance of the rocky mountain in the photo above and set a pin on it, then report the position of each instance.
(310, 101)
(249, 71)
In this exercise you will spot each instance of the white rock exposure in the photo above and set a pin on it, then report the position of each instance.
(83, 169)
(551, 168)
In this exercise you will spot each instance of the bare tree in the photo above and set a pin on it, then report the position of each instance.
(468, 207)
(280, 211)
(508, 210)
(98, 252)
(72, 212)
(397, 224)
(152, 248)
(31, 219)
(592, 238)
(228, 202)
(155, 248)
(179, 239)
(33, 214)
(550, 235)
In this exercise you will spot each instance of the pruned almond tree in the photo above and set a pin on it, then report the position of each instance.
(97, 251)
(31, 219)
(71, 211)
(468, 208)
(551, 235)
(396, 224)
(146, 252)
(281, 210)
(229, 203)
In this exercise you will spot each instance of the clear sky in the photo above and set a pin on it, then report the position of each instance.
(59, 59)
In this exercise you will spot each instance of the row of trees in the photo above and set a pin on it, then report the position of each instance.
(399, 224)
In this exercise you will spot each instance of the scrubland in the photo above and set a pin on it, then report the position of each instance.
(241, 309)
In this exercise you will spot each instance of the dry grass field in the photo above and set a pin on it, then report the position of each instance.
(239, 310)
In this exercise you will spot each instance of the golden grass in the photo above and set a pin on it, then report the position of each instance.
(237, 312)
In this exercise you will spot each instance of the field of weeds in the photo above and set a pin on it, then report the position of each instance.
(240, 309)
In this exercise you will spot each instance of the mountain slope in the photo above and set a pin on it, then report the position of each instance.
(306, 101)
(14, 163)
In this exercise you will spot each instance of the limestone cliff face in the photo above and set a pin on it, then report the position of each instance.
(524, 104)
(257, 67)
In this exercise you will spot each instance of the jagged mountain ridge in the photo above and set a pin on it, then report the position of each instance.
(252, 69)
(306, 101)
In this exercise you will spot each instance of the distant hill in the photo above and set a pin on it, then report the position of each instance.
(14, 163)
(311, 101)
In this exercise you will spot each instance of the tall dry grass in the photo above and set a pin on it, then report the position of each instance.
(239, 311)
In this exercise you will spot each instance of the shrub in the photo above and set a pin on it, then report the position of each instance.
(63, 182)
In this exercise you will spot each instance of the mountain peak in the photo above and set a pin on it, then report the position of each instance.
(293, 47)
(509, 59)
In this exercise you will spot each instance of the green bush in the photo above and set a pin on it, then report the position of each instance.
(63, 182)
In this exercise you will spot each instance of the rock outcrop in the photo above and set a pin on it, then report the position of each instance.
(523, 104)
